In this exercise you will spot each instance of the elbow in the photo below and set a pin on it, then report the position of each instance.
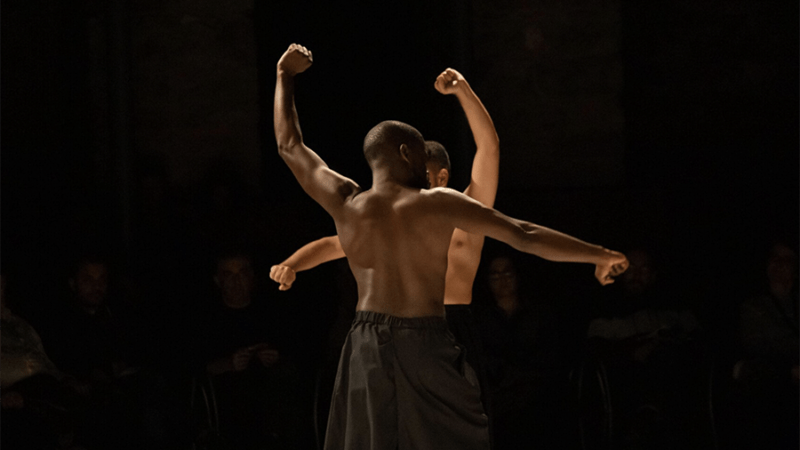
(528, 237)
(287, 137)
(286, 146)
(493, 140)
(283, 148)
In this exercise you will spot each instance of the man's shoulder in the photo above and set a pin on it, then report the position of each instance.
(404, 198)
(442, 191)
(440, 194)
(430, 199)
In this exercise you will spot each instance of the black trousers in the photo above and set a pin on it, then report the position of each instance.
(404, 383)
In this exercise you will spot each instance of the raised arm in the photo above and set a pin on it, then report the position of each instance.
(306, 257)
(485, 166)
(325, 186)
(473, 217)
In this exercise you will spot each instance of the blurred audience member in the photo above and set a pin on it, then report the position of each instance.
(40, 404)
(650, 341)
(641, 315)
(98, 341)
(23, 353)
(260, 406)
(508, 324)
(766, 376)
(86, 337)
(529, 395)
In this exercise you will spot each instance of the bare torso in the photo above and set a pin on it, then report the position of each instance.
(463, 258)
(396, 242)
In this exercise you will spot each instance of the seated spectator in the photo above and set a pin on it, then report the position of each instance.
(243, 351)
(642, 314)
(40, 404)
(649, 343)
(89, 336)
(23, 354)
(766, 375)
(529, 394)
(507, 322)
(95, 340)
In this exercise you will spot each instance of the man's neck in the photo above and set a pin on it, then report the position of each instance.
(383, 179)
(390, 177)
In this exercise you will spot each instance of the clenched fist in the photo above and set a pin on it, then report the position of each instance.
(283, 275)
(449, 81)
(614, 264)
(296, 59)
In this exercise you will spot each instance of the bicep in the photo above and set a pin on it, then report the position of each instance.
(315, 253)
(484, 177)
(330, 249)
(330, 189)
(476, 218)
(326, 186)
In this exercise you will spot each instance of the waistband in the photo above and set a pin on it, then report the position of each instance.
(435, 322)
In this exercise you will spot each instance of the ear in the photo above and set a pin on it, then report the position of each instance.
(72, 283)
(443, 177)
(404, 151)
(216, 281)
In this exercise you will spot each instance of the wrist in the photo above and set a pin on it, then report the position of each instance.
(284, 73)
(463, 90)
(602, 255)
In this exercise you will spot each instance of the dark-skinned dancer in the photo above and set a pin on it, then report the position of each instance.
(402, 382)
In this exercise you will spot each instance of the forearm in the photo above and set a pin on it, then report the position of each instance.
(315, 253)
(553, 245)
(285, 119)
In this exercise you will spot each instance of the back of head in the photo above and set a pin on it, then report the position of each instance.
(388, 136)
(438, 154)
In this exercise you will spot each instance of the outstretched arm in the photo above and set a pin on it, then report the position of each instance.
(485, 166)
(473, 217)
(325, 186)
(556, 246)
(307, 257)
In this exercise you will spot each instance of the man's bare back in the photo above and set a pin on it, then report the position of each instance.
(397, 247)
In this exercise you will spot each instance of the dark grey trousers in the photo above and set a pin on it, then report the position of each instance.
(403, 383)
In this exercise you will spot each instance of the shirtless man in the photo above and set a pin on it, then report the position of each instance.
(464, 254)
(401, 382)
(465, 249)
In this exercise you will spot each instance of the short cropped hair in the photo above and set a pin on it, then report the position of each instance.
(389, 135)
(437, 153)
